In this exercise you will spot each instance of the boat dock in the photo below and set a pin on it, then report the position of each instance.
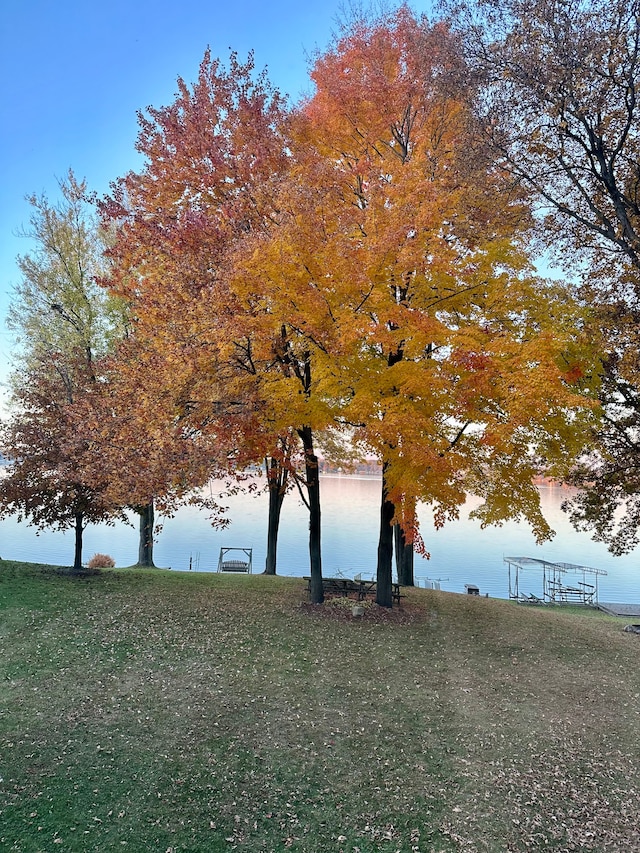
(619, 609)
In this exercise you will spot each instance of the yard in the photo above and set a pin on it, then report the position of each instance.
(150, 710)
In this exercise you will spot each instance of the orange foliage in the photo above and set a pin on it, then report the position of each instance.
(355, 263)
(396, 267)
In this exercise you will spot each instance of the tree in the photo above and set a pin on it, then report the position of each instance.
(95, 448)
(43, 442)
(398, 262)
(65, 322)
(560, 99)
(561, 85)
(608, 474)
(212, 159)
(58, 307)
(148, 457)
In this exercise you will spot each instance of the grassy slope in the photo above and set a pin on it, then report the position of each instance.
(158, 711)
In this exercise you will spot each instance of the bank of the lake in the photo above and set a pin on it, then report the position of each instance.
(461, 552)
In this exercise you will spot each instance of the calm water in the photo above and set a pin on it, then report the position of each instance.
(460, 552)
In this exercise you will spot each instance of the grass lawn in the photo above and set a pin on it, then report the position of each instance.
(157, 711)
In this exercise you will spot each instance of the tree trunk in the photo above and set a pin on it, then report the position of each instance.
(145, 544)
(387, 509)
(277, 482)
(79, 528)
(312, 474)
(404, 557)
(385, 548)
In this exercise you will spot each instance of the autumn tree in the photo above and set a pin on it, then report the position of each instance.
(44, 443)
(560, 95)
(608, 473)
(152, 461)
(398, 262)
(212, 158)
(64, 323)
(58, 306)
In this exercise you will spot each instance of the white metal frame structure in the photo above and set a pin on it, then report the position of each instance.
(556, 588)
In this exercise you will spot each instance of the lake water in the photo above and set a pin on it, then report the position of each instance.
(461, 552)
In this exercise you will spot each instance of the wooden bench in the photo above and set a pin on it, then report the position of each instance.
(234, 566)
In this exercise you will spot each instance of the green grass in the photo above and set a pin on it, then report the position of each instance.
(150, 710)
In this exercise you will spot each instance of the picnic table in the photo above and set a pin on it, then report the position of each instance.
(347, 586)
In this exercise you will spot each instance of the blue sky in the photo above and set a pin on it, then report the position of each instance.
(73, 73)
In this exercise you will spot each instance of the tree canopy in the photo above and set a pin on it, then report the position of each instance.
(354, 263)
(64, 321)
(560, 85)
(354, 271)
(80, 444)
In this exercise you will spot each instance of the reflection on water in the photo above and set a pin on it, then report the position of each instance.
(460, 552)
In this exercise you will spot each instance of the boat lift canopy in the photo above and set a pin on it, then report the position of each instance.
(559, 581)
